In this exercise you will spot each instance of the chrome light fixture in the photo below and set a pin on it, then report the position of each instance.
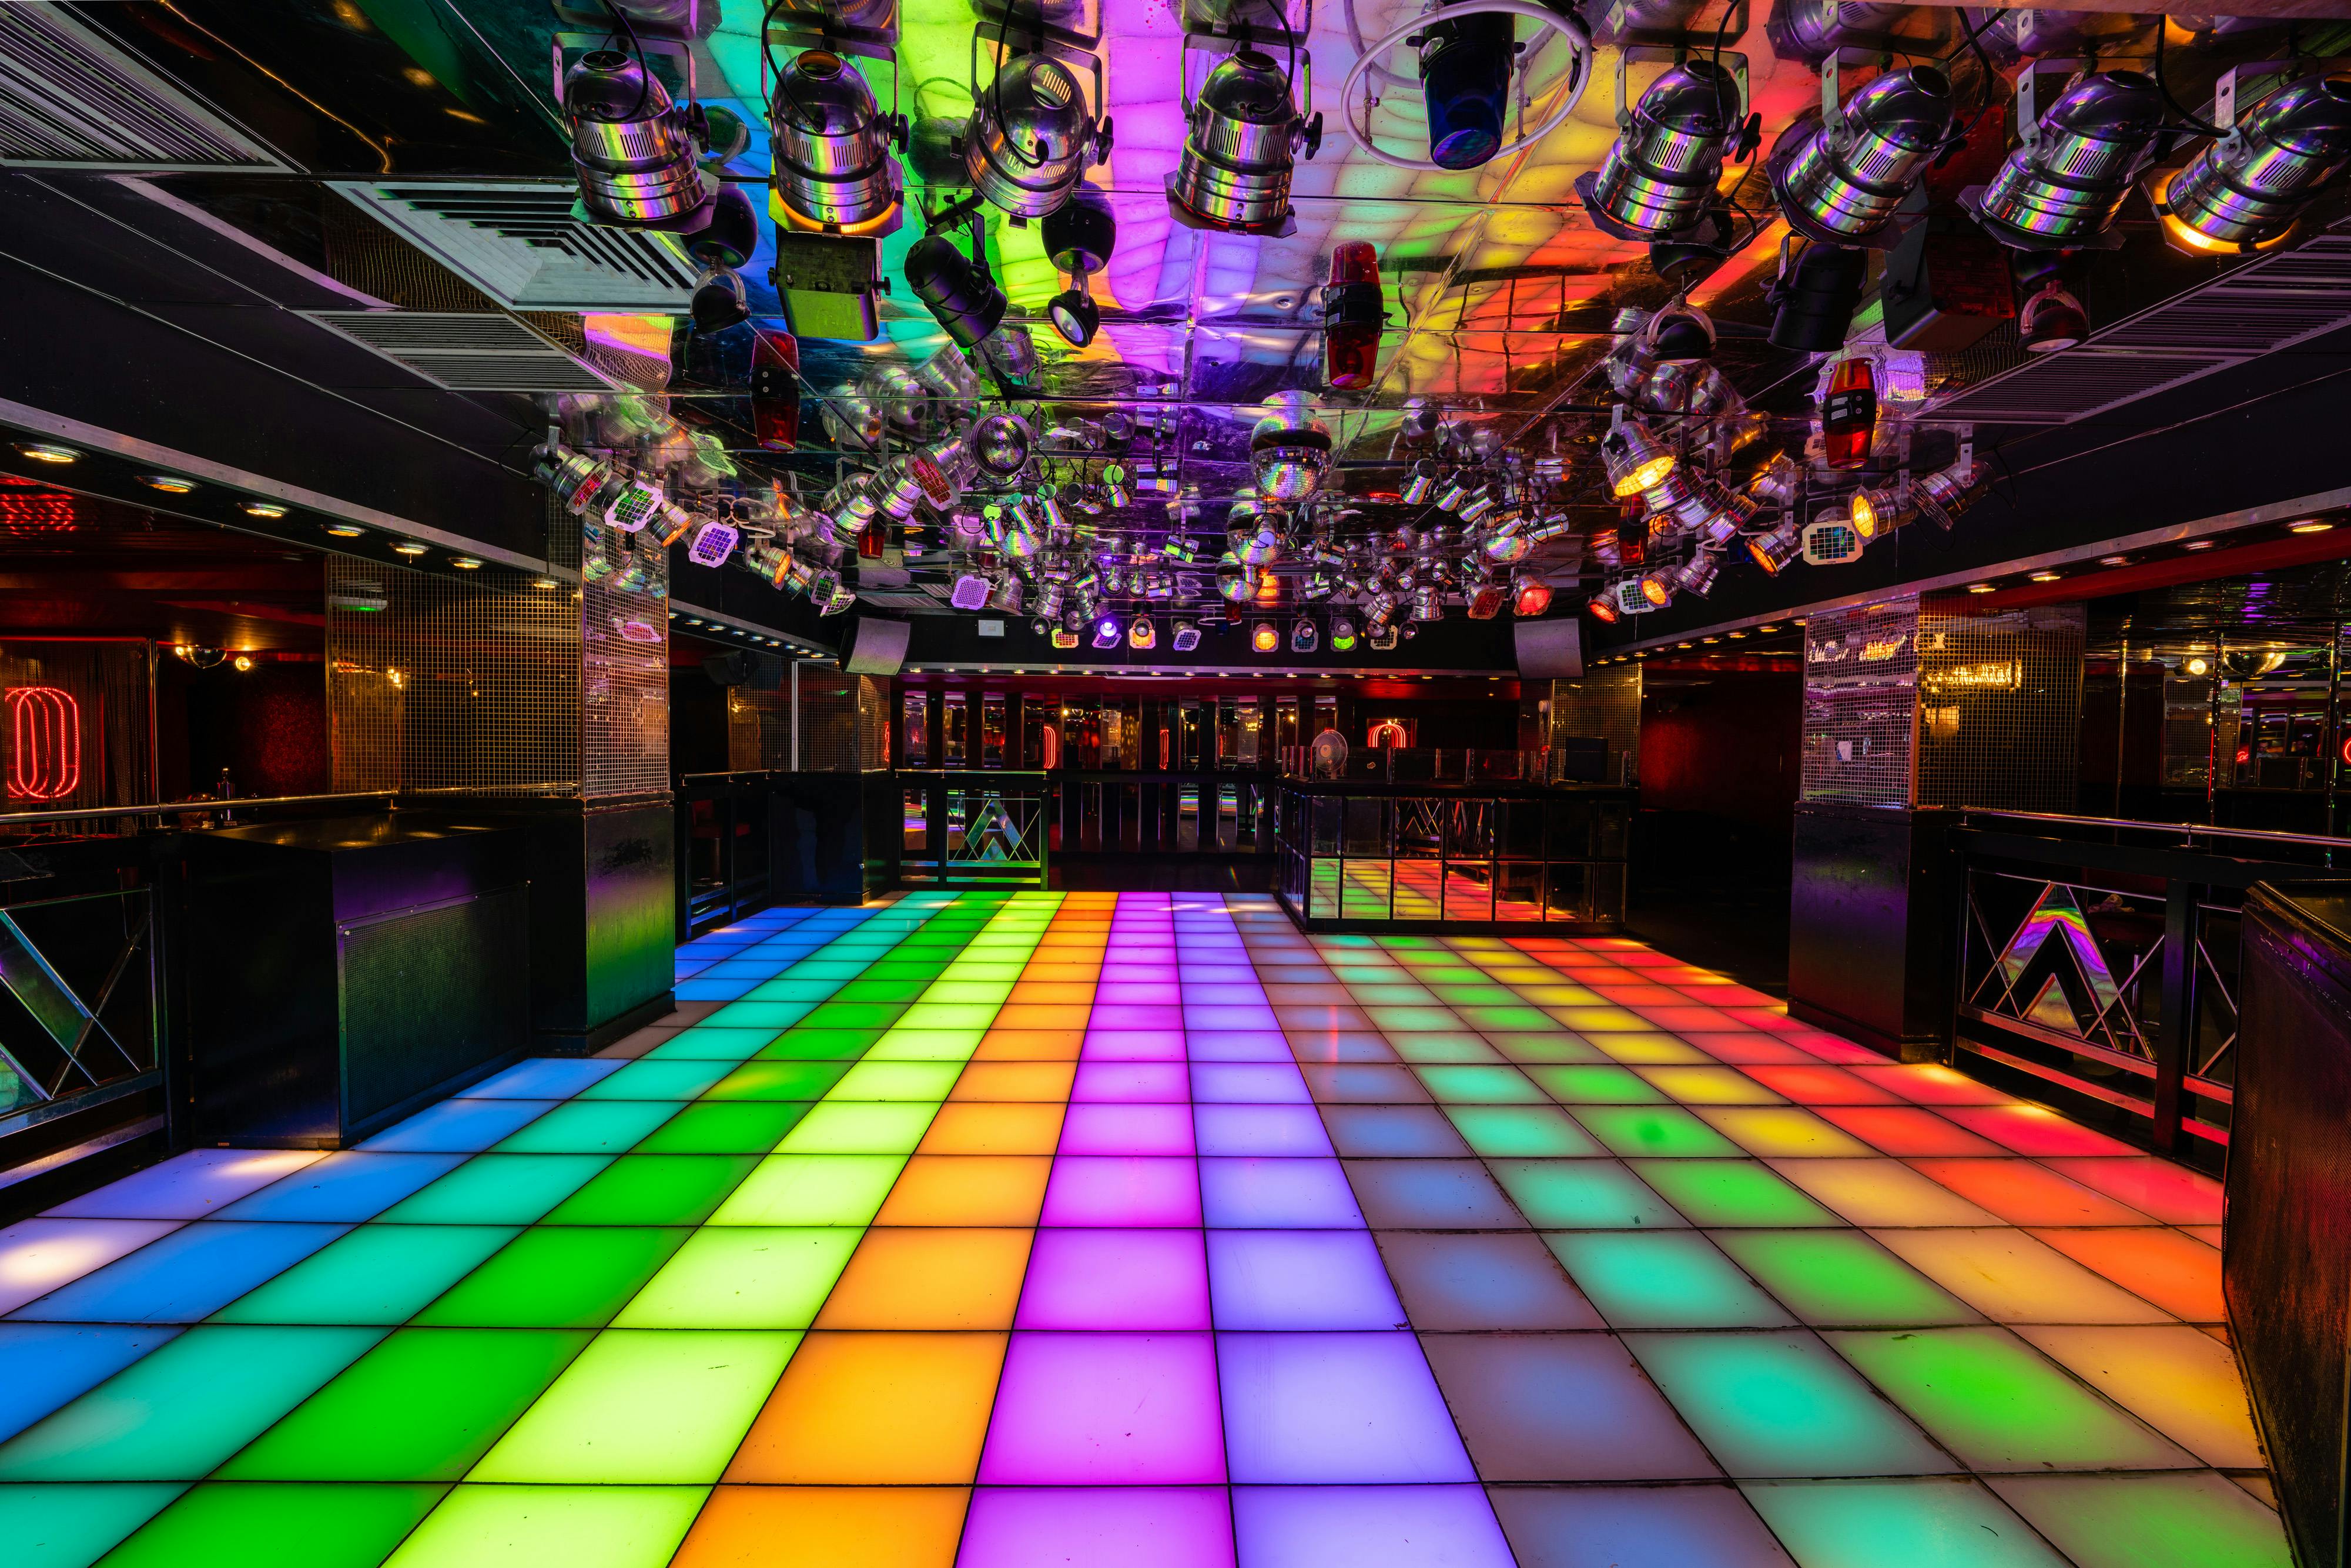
(634, 149)
(1106, 633)
(1290, 450)
(1343, 634)
(1658, 583)
(1660, 173)
(714, 540)
(999, 445)
(1776, 548)
(956, 288)
(1079, 237)
(1634, 458)
(1030, 138)
(832, 143)
(1838, 179)
(1465, 78)
(1241, 142)
(1304, 636)
(1697, 574)
(1943, 496)
(2246, 189)
(2063, 186)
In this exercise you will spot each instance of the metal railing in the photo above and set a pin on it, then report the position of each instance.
(724, 865)
(389, 798)
(971, 828)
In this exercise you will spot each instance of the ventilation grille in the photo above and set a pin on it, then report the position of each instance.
(2261, 308)
(68, 98)
(465, 353)
(520, 243)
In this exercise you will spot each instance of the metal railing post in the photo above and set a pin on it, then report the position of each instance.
(2176, 1020)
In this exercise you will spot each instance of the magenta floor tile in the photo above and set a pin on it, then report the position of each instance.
(1105, 1410)
(1111, 1017)
(1286, 1194)
(1116, 1279)
(1115, 1129)
(1131, 1081)
(1122, 1191)
(1161, 992)
(1116, 1044)
(1300, 1280)
(1098, 1527)
(1313, 1408)
(1272, 1130)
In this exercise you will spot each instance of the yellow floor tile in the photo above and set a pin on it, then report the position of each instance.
(2180, 1381)
(1881, 1192)
(1789, 1132)
(1710, 1086)
(2014, 1278)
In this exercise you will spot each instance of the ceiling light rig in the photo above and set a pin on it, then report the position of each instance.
(1243, 136)
(1031, 137)
(1466, 55)
(636, 151)
(833, 171)
(2245, 189)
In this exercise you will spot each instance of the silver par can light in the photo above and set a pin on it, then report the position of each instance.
(635, 149)
(1031, 137)
(1242, 137)
(1839, 178)
(1943, 496)
(1659, 175)
(2246, 189)
(832, 145)
(2063, 186)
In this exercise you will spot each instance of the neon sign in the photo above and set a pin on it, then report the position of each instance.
(45, 744)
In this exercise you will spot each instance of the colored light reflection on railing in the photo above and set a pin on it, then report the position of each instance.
(45, 744)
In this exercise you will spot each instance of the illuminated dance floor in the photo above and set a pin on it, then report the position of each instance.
(1142, 1231)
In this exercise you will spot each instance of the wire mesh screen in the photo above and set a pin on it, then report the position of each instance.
(1999, 700)
(1604, 705)
(845, 722)
(464, 684)
(74, 725)
(624, 679)
(1861, 676)
(759, 717)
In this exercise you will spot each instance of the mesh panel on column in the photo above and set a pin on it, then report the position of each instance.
(1607, 704)
(625, 682)
(1861, 675)
(759, 717)
(1999, 707)
(841, 718)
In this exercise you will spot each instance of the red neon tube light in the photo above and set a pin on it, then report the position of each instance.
(45, 744)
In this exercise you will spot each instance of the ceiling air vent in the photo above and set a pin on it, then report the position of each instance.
(465, 353)
(2265, 306)
(518, 242)
(70, 97)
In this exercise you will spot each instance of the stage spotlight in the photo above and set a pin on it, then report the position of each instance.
(1530, 596)
(1697, 574)
(1942, 496)
(1634, 461)
(1776, 548)
(1814, 298)
(1106, 632)
(1185, 636)
(2246, 189)
(1353, 310)
(1384, 639)
(1304, 636)
(1142, 633)
(832, 143)
(1602, 607)
(1838, 179)
(1264, 638)
(2064, 186)
(1029, 138)
(713, 542)
(1849, 414)
(998, 445)
(956, 288)
(2052, 319)
(1343, 634)
(1428, 602)
(634, 150)
(1078, 238)
(1662, 172)
(1062, 637)
(1239, 147)
(1465, 78)
(719, 302)
(1876, 509)
(1658, 583)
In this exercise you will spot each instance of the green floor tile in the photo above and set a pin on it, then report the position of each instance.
(770, 1016)
(1385, 993)
(839, 1014)
(868, 989)
(499, 1189)
(1582, 1194)
(1412, 1020)
(897, 1081)
(572, 1527)
(645, 1079)
(1463, 1046)
(795, 987)
(230, 1524)
(71, 1526)
(726, 1127)
(1669, 1279)
(770, 1080)
(744, 1277)
(1664, 1130)
(590, 1127)
(1525, 1132)
(557, 1276)
(1842, 1278)
(793, 1189)
(1731, 1192)
(186, 1406)
(1500, 1018)
(1529, 1047)
(1481, 993)
(2000, 1404)
(1476, 1085)
(820, 1045)
(2194, 1519)
(1912, 1523)
(701, 1043)
(1595, 1085)
(374, 1274)
(423, 1406)
(654, 1189)
(1782, 1404)
(643, 1407)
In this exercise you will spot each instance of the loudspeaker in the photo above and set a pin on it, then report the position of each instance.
(1550, 650)
(730, 669)
(876, 647)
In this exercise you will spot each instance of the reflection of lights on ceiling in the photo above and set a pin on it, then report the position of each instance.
(345, 531)
(41, 451)
(2313, 526)
(263, 509)
(171, 484)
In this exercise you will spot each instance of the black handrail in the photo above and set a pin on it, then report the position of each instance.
(173, 807)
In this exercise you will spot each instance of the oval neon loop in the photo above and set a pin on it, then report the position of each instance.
(45, 744)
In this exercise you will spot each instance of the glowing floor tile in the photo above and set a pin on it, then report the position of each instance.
(893, 1081)
(1551, 1408)
(1025, 1082)
(183, 1409)
(1442, 1050)
(1140, 1278)
(643, 1407)
(1431, 1195)
(1881, 1192)
(38, 1255)
(1998, 1403)
(2034, 1130)
(1636, 1527)
(647, 1079)
(577, 1526)
(1710, 1086)
(1132, 1082)
(743, 1276)
(1657, 1130)
(2178, 1380)
(1906, 1130)
(189, 1185)
(1067, 1412)
(353, 1185)
(654, 1189)
(1522, 1131)
(2168, 1192)
(2195, 1521)
(1582, 1194)
(1098, 1527)
(588, 1127)
(869, 1409)
(812, 1189)
(1300, 1280)
(740, 1127)
(780, 1080)
(71, 1526)
(1730, 1192)
(1917, 1523)
(542, 1078)
(49, 1363)
(1782, 1404)
(1783, 1133)
(499, 1189)
(188, 1274)
(1393, 1131)
(1931, 1084)
(422, 1406)
(2011, 1277)
(961, 1278)
(813, 1046)
(1610, 1086)
(1367, 1527)
(994, 1129)
(1279, 1130)
(1841, 1277)
(1671, 1280)
(967, 1189)
(2177, 1272)
(826, 1527)
(1122, 1191)
(838, 1127)
(374, 1274)
(2024, 1192)
(326, 1526)
(556, 1277)
(1334, 1407)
